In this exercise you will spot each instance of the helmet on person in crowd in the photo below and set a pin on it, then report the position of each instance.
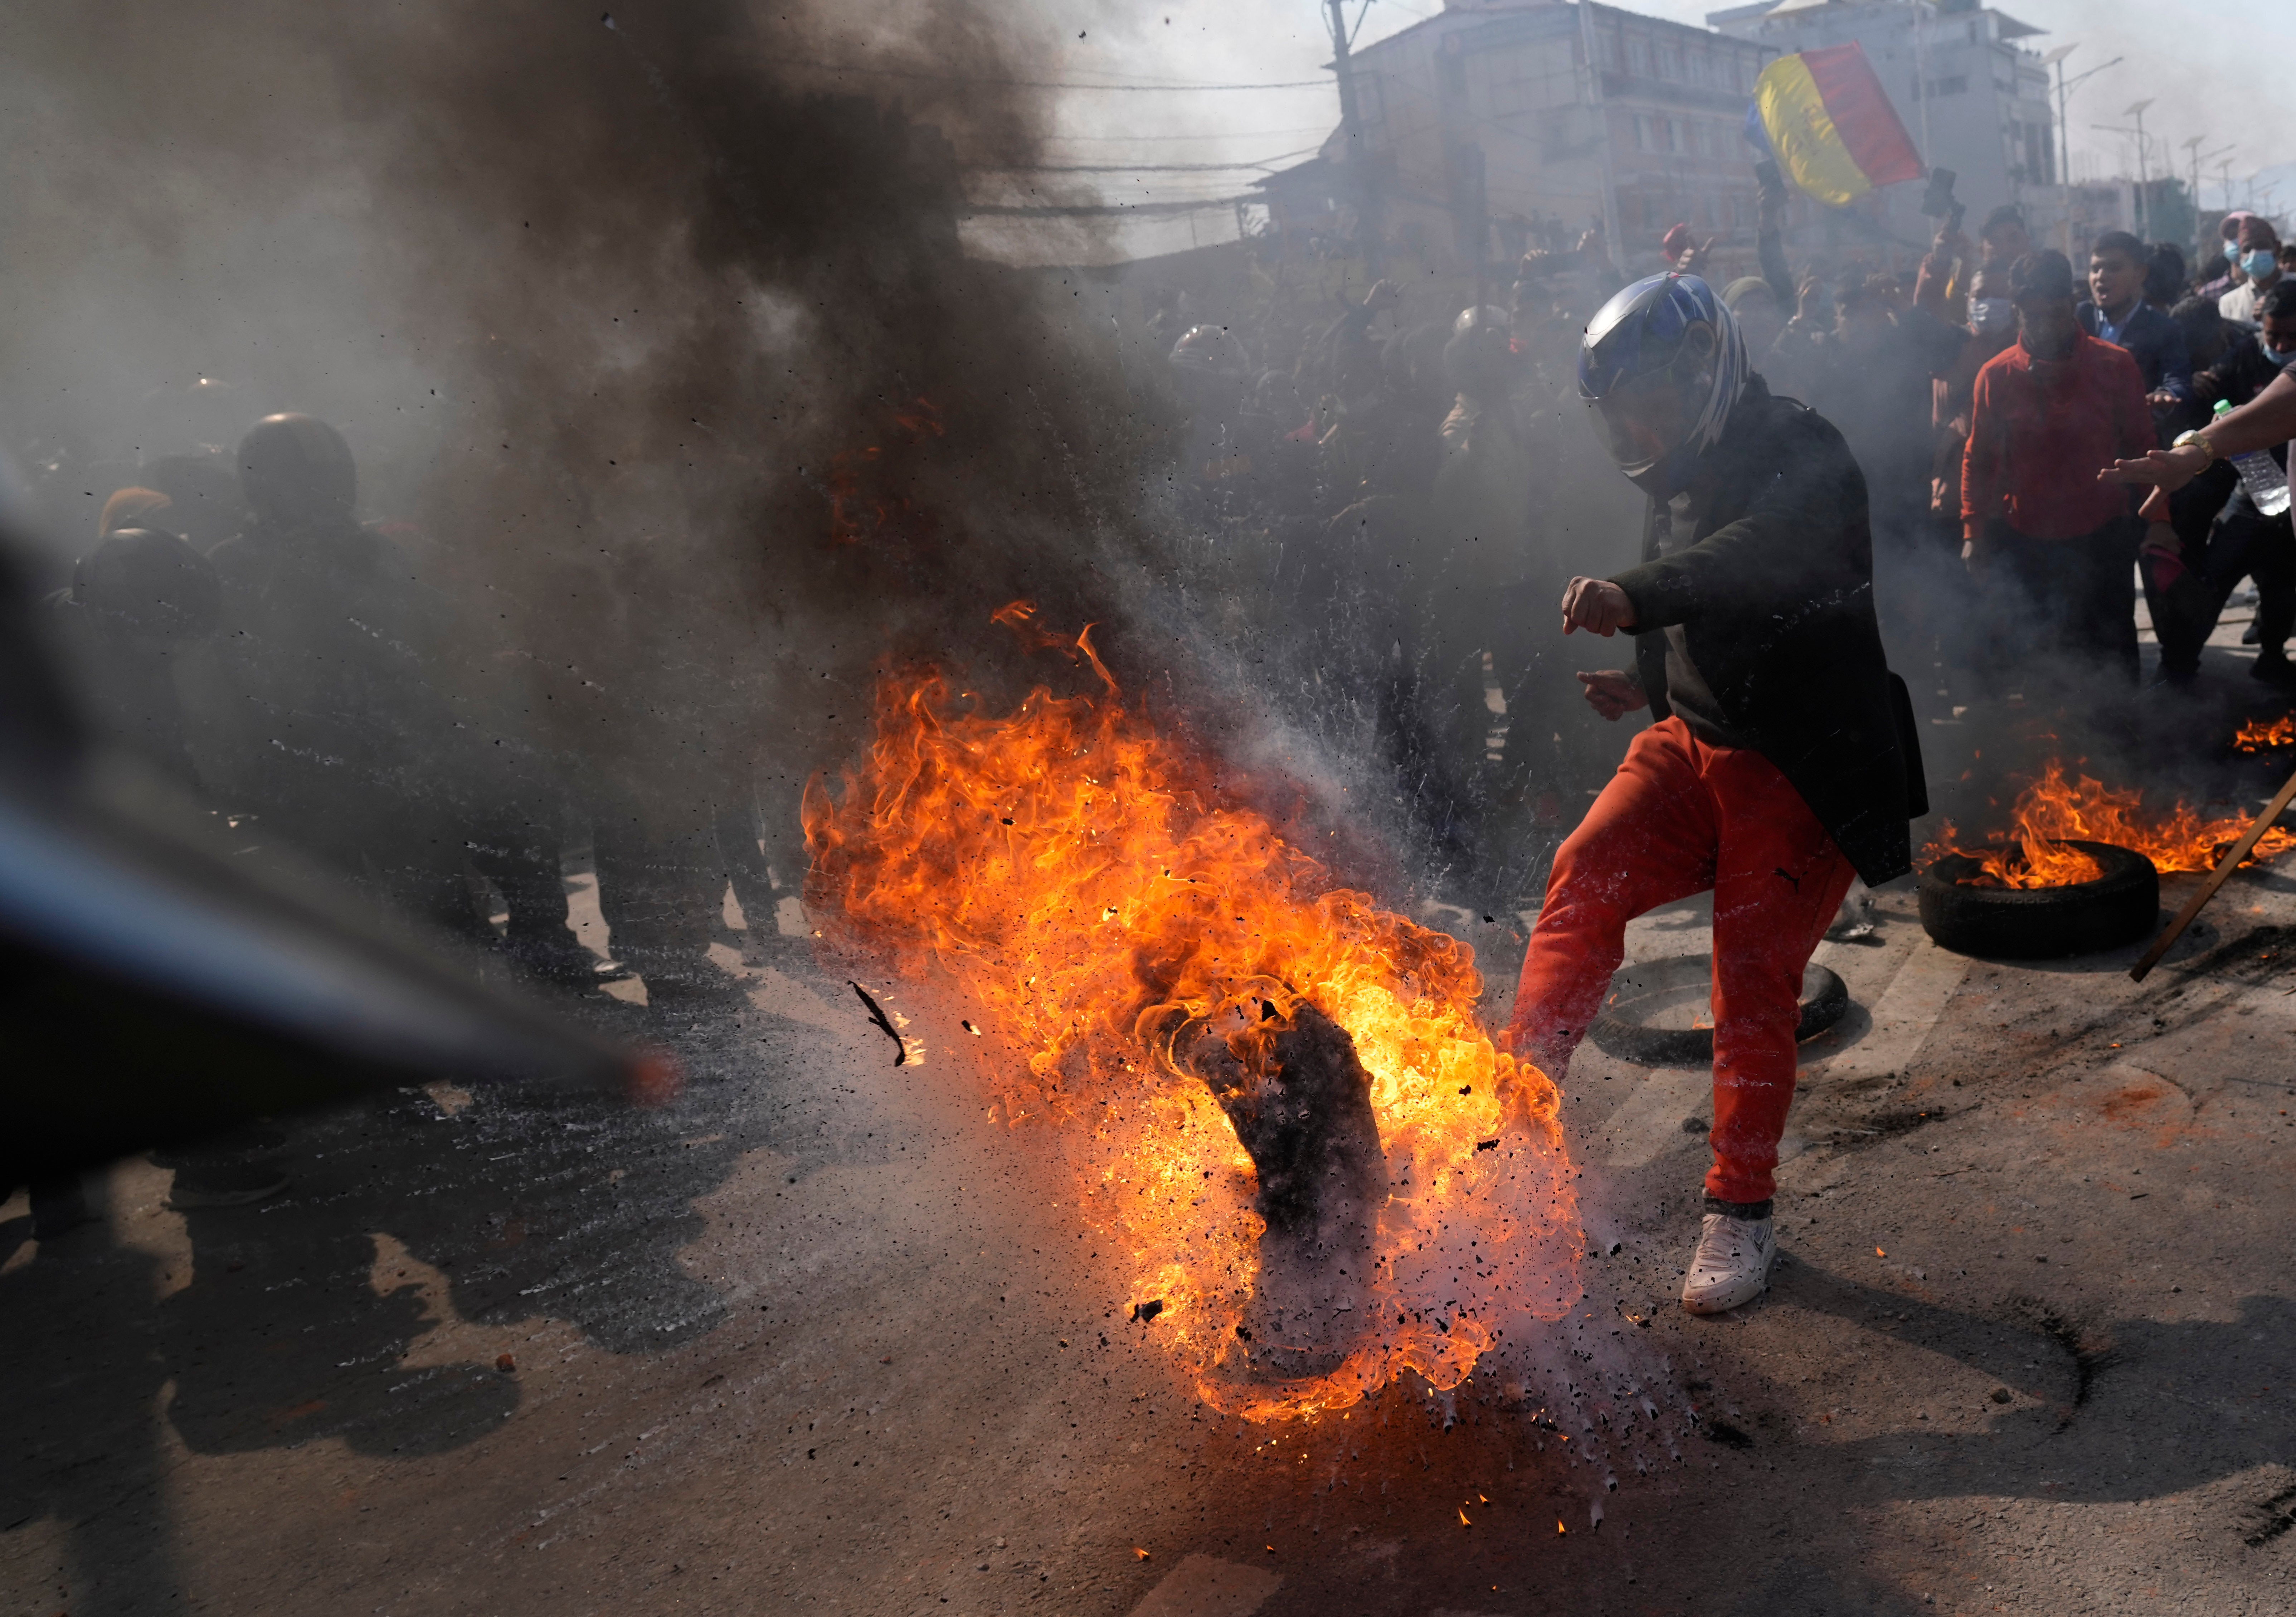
(1211, 351)
(1661, 366)
(149, 583)
(296, 469)
(1479, 359)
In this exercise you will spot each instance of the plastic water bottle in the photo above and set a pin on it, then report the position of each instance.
(2267, 484)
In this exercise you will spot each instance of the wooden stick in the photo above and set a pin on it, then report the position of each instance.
(2224, 868)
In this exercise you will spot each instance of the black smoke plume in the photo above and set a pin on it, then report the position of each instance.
(656, 325)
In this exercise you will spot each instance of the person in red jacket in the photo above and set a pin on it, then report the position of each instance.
(2037, 527)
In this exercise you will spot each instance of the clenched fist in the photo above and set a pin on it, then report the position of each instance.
(1597, 606)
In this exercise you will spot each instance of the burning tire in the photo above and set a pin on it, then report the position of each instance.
(1632, 1028)
(1303, 1112)
(2119, 907)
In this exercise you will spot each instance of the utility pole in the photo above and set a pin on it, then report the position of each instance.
(2143, 169)
(2064, 176)
(1355, 161)
(2143, 172)
(2065, 86)
(2200, 241)
(1612, 244)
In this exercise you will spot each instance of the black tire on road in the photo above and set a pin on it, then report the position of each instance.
(2042, 923)
(1637, 991)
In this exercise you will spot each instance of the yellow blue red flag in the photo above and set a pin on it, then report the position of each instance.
(1826, 119)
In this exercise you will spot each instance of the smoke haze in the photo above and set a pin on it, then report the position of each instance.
(657, 337)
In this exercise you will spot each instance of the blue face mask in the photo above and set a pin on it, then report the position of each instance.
(2259, 262)
(2283, 360)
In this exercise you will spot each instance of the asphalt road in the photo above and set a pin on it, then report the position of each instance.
(820, 1336)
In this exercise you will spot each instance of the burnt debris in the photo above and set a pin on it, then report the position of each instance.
(877, 1015)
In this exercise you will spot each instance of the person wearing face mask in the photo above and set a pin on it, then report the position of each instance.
(2116, 312)
(2221, 273)
(2259, 261)
(2051, 548)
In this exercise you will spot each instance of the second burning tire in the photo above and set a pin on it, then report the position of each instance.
(2041, 923)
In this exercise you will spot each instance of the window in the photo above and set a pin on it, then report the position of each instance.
(1938, 89)
(1638, 56)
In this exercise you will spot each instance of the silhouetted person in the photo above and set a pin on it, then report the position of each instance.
(319, 717)
(135, 602)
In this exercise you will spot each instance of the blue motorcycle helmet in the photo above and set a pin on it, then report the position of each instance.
(1661, 366)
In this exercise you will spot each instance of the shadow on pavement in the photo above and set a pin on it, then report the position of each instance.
(2129, 1408)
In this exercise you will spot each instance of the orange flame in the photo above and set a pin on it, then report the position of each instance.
(2053, 810)
(1097, 888)
(2263, 735)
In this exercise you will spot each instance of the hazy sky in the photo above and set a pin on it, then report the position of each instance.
(2174, 52)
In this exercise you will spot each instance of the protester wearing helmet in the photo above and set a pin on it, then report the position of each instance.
(1783, 759)
(314, 710)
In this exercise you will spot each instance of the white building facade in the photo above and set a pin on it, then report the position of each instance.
(1975, 97)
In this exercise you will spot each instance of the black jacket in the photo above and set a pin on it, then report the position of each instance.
(2154, 340)
(1775, 597)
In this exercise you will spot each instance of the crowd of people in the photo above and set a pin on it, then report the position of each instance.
(1426, 480)
(300, 674)
(1404, 496)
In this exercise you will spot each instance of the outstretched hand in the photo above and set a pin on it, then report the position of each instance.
(2166, 470)
(1597, 606)
(1614, 692)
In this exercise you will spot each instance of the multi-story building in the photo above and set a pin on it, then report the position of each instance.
(1974, 98)
(1484, 130)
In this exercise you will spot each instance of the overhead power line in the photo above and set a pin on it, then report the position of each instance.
(1265, 162)
(1046, 83)
(1064, 140)
(1107, 209)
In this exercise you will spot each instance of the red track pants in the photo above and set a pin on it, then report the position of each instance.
(1678, 817)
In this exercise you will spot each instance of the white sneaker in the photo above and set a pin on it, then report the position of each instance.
(1732, 1264)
